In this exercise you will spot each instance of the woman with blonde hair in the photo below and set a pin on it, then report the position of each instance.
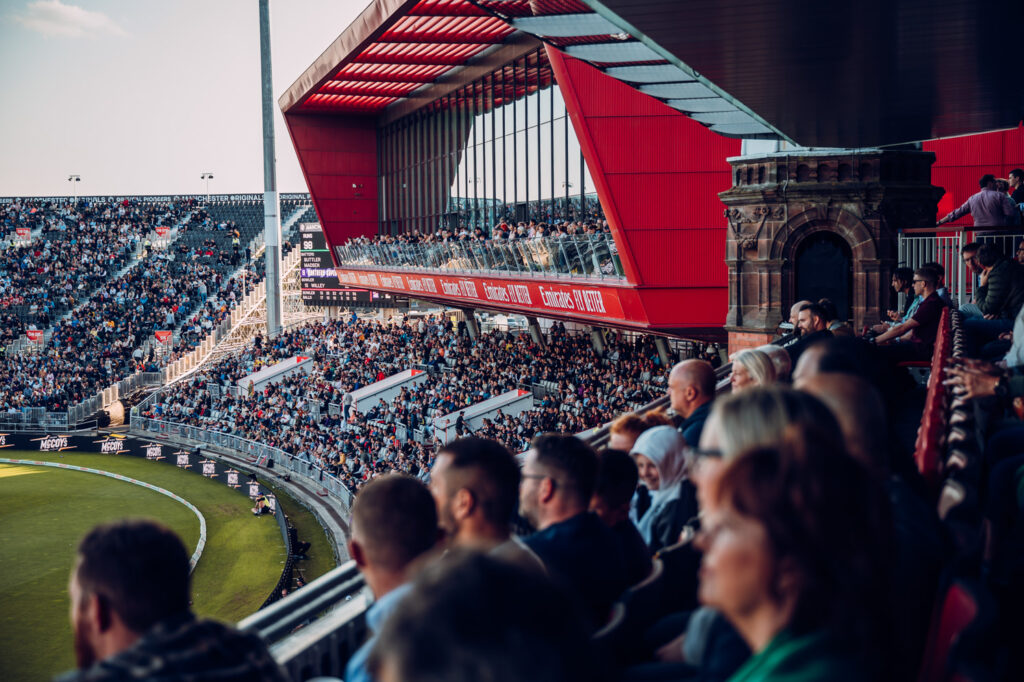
(751, 368)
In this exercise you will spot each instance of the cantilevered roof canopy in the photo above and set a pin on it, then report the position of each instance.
(392, 49)
(864, 74)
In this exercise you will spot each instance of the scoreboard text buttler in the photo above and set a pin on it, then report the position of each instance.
(319, 281)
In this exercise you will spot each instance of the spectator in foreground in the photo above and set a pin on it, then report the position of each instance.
(471, 617)
(662, 465)
(691, 389)
(617, 478)
(394, 523)
(475, 483)
(557, 483)
(131, 619)
(789, 558)
(751, 367)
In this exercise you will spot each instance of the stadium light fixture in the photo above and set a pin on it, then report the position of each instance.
(207, 175)
(74, 180)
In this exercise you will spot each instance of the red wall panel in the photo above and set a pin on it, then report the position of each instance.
(658, 175)
(338, 157)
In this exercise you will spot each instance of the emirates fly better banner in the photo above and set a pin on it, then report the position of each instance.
(579, 299)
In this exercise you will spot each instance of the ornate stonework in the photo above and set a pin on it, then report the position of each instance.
(779, 200)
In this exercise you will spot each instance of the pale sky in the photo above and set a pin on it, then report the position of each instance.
(143, 96)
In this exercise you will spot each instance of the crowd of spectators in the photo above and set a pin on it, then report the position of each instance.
(79, 248)
(100, 342)
(310, 416)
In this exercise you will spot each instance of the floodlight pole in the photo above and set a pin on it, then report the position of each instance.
(207, 175)
(271, 206)
(74, 180)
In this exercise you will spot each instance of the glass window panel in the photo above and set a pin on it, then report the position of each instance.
(523, 173)
(559, 103)
(544, 163)
(545, 104)
(531, 106)
(561, 177)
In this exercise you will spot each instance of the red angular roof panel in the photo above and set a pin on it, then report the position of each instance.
(431, 39)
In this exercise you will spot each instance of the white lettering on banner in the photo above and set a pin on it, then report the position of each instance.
(209, 469)
(233, 479)
(392, 282)
(154, 452)
(363, 279)
(494, 293)
(254, 490)
(3, 441)
(52, 443)
(451, 288)
(183, 461)
(112, 446)
(557, 299)
(520, 293)
(594, 301)
(373, 279)
(422, 284)
(469, 288)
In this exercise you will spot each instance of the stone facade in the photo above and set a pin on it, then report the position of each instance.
(779, 200)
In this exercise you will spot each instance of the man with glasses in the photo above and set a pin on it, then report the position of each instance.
(922, 328)
(558, 478)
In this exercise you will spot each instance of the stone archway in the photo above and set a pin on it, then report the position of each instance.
(781, 200)
(865, 304)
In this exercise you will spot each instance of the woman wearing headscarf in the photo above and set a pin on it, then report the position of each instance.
(662, 466)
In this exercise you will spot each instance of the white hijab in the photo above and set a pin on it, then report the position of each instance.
(664, 447)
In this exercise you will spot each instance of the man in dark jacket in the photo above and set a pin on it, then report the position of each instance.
(1000, 296)
(557, 483)
(131, 619)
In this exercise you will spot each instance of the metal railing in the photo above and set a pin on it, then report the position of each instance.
(594, 256)
(943, 246)
(263, 454)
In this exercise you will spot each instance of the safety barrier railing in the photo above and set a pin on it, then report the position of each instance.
(266, 455)
(594, 256)
(944, 246)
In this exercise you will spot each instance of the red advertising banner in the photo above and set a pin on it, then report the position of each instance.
(575, 299)
(22, 232)
(163, 336)
(34, 335)
(162, 230)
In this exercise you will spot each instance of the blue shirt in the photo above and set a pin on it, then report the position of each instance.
(356, 670)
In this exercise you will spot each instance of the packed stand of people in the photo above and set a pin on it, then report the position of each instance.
(80, 247)
(584, 247)
(584, 390)
(100, 343)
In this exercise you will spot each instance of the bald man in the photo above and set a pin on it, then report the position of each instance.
(691, 388)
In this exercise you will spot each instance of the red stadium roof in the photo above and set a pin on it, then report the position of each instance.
(392, 49)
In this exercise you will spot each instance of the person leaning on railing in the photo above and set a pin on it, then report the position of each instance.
(988, 207)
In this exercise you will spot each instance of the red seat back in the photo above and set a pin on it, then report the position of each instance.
(955, 613)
